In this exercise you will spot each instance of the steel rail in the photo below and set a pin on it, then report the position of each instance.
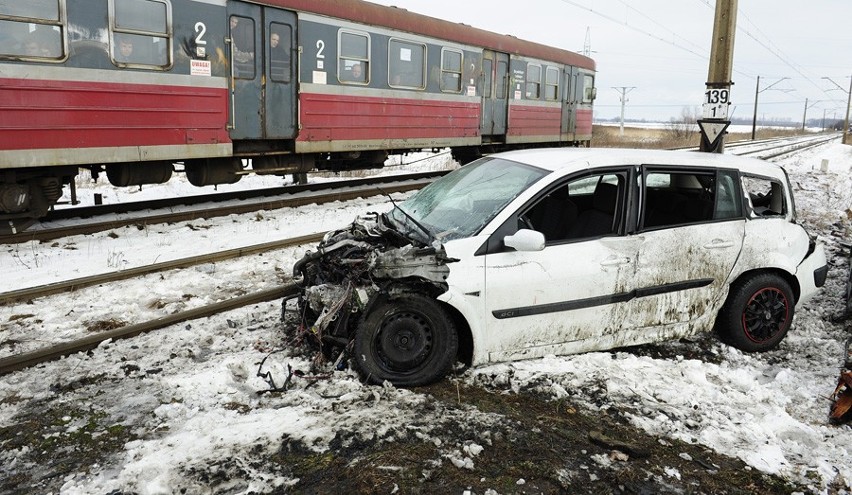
(31, 293)
(218, 197)
(797, 146)
(800, 148)
(342, 194)
(28, 359)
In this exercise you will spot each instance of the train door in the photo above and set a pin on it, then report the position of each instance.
(280, 89)
(495, 84)
(245, 70)
(569, 103)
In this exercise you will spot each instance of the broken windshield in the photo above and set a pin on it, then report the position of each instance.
(462, 202)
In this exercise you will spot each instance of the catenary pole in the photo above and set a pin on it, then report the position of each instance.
(623, 90)
(717, 96)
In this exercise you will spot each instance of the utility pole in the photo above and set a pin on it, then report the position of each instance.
(717, 97)
(754, 118)
(757, 91)
(623, 90)
(805, 118)
(848, 103)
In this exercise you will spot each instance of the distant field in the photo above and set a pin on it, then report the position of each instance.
(676, 135)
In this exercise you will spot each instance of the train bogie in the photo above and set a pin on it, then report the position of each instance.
(293, 85)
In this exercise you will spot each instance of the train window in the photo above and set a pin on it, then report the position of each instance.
(242, 46)
(141, 32)
(32, 30)
(353, 63)
(589, 92)
(279, 52)
(141, 15)
(487, 76)
(502, 80)
(34, 9)
(551, 83)
(451, 70)
(406, 64)
(533, 81)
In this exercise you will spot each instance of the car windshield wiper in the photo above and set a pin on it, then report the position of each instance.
(419, 225)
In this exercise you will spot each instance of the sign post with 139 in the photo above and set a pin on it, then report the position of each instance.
(717, 101)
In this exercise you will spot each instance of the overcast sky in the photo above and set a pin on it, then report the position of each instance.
(662, 48)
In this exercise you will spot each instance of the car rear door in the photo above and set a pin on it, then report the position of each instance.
(691, 234)
(560, 299)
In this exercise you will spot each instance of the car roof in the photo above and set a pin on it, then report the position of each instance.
(574, 159)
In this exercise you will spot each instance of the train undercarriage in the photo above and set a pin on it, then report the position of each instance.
(28, 194)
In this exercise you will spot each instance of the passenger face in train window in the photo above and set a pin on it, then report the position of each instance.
(33, 49)
(125, 47)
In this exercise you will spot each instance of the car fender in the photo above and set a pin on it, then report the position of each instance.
(789, 244)
(806, 273)
(469, 307)
(466, 289)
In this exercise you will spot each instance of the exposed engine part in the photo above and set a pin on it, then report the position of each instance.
(410, 262)
(14, 198)
(353, 268)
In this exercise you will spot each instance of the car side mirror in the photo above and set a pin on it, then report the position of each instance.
(525, 240)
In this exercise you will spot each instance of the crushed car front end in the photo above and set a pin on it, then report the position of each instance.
(353, 270)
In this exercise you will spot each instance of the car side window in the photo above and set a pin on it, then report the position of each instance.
(680, 198)
(583, 208)
(728, 202)
(765, 197)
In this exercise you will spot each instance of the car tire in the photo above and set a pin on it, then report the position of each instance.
(409, 340)
(758, 313)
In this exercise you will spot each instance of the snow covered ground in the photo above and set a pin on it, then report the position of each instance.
(184, 400)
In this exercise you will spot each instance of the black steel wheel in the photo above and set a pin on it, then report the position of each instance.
(758, 313)
(409, 340)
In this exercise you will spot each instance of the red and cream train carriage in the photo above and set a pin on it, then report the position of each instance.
(130, 87)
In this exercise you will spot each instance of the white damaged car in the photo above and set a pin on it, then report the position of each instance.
(523, 254)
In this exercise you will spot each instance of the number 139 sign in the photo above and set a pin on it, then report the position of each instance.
(716, 103)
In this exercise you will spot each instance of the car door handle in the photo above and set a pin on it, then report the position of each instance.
(718, 244)
(616, 261)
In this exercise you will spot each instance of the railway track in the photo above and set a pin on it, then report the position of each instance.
(33, 358)
(28, 359)
(786, 147)
(268, 199)
(57, 351)
(31, 293)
